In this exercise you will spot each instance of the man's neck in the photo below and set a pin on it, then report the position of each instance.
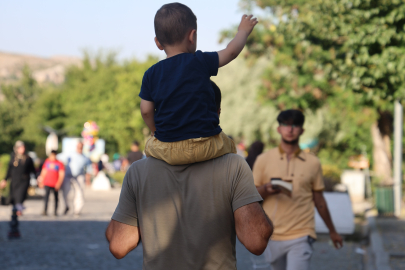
(289, 149)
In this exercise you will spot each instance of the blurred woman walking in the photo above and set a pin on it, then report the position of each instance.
(19, 169)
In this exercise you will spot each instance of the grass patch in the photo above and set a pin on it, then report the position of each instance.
(118, 177)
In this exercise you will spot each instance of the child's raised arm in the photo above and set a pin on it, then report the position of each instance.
(238, 42)
(148, 113)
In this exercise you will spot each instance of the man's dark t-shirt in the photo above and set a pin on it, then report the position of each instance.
(186, 213)
(134, 156)
(184, 99)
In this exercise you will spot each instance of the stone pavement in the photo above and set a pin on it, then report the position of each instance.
(392, 232)
(66, 242)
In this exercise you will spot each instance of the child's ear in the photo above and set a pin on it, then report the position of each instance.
(192, 37)
(158, 44)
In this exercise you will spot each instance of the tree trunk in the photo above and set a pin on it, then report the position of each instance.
(380, 132)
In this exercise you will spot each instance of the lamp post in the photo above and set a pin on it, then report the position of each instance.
(398, 127)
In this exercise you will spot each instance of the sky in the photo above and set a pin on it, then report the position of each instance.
(46, 28)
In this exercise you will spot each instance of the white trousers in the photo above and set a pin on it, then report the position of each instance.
(289, 255)
(78, 185)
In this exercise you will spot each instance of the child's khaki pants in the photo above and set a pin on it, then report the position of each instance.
(191, 150)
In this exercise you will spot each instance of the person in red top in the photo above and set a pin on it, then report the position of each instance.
(52, 174)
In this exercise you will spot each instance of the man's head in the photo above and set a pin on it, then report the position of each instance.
(218, 97)
(135, 146)
(52, 155)
(290, 125)
(174, 24)
(79, 148)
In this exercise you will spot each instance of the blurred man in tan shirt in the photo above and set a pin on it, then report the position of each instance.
(293, 217)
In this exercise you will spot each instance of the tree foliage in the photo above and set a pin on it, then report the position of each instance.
(356, 46)
(16, 102)
(101, 89)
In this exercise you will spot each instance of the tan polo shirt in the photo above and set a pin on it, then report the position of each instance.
(292, 217)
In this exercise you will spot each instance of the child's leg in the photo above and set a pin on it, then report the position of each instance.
(46, 198)
(212, 147)
(56, 196)
(173, 153)
(190, 151)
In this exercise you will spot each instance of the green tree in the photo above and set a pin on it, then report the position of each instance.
(16, 101)
(101, 90)
(331, 52)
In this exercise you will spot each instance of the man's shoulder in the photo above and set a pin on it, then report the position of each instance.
(312, 159)
(230, 160)
(269, 154)
(153, 163)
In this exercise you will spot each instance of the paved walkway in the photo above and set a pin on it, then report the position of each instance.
(66, 242)
(392, 232)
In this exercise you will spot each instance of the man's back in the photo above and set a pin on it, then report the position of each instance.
(186, 213)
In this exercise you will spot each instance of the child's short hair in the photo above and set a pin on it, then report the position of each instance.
(172, 22)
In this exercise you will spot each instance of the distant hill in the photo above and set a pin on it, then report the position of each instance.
(44, 70)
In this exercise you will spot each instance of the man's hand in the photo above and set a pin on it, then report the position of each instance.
(336, 239)
(267, 190)
(3, 184)
(247, 24)
(323, 211)
(270, 190)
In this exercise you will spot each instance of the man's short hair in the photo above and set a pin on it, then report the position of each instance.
(172, 23)
(218, 96)
(293, 117)
(54, 152)
(135, 143)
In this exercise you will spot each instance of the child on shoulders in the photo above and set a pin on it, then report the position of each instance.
(177, 97)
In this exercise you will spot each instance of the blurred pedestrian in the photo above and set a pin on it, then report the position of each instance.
(293, 215)
(134, 154)
(117, 162)
(51, 178)
(254, 151)
(19, 169)
(76, 165)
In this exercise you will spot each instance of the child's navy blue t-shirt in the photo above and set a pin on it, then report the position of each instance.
(184, 98)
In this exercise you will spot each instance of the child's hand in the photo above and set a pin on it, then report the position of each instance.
(247, 23)
(238, 42)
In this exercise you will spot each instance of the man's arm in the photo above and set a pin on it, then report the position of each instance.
(122, 238)
(238, 42)
(148, 113)
(253, 227)
(323, 211)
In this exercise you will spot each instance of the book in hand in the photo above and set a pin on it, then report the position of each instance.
(283, 186)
